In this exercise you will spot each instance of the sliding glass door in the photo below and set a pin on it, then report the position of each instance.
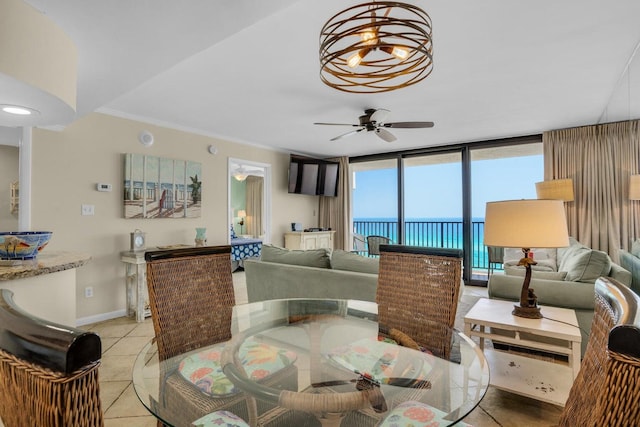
(437, 197)
(375, 200)
(433, 200)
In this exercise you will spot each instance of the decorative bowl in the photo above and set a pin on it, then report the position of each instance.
(21, 245)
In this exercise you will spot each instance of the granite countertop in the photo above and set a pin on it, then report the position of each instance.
(45, 263)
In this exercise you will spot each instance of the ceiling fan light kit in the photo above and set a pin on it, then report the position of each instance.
(376, 47)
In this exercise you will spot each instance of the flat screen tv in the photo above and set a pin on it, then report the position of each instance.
(315, 177)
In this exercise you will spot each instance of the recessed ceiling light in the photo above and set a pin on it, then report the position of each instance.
(18, 110)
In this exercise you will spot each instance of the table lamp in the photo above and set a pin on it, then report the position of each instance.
(526, 224)
(559, 189)
(634, 187)
(242, 214)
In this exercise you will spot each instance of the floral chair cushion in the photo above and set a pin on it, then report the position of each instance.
(220, 419)
(362, 356)
(417, 414)
(259, 360)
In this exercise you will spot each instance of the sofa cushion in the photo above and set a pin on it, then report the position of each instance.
(319, 258)
(547, 275)
(583, 264)
(343, 260)
(635, 248)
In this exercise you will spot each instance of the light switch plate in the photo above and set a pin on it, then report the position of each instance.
(88, 209)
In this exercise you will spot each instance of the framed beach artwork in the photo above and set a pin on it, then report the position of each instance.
(157, 187)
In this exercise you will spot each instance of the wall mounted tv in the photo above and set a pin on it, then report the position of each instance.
(311, 176)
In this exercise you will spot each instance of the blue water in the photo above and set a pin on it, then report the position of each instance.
(433, 232)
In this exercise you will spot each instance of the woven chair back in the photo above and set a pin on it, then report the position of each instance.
(191, 297)
(418, 291)
(606, 391)
(48, 371)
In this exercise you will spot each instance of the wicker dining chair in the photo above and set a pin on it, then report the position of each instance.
(191, 300)
(48, 371)
(417, 295)
(420, 283)
(606, 391)
(374, 242)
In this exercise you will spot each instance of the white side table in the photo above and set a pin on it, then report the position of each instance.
(136, 282)
(556, 333)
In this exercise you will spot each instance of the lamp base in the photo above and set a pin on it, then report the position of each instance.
(528, 312)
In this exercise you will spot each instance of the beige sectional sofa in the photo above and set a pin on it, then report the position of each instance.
(315, 273)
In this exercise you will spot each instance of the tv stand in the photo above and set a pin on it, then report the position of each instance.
(308, 239)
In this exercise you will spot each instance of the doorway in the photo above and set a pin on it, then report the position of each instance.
(249, 204)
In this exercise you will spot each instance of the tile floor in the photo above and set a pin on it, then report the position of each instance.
(123, 338)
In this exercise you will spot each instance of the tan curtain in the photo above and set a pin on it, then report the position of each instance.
(254, 194)
(336, 211)
(600, 159)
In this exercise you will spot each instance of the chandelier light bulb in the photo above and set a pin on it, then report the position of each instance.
(369, 36)
(400, 53)
(355, 59)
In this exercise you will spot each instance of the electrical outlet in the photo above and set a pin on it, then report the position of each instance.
(88, 292)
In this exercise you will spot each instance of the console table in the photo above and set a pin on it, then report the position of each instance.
(136, 282)
(308, 239)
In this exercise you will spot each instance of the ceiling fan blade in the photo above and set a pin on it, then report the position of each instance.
(385, 134)
(347, 134)
(408, 125)
(336, 124)
(378, 116)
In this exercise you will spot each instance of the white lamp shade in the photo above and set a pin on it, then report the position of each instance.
(526, 224)
(634, 187)
(242, 213)
(555, 189)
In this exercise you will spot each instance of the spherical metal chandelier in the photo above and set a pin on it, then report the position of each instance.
(376, 47)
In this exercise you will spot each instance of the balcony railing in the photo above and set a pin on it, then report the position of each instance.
(440, 234)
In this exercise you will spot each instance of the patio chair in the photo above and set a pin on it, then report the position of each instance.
(191, 299)
(606, 391)
(48, 372)
(359, 244)
(374, 242)
(495, 256)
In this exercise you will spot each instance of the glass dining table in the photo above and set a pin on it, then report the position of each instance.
(350, 370)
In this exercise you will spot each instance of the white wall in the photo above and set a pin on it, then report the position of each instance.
(68, 164)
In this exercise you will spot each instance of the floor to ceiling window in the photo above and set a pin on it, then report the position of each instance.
(433, 200)
(437, 197)
(375, 199)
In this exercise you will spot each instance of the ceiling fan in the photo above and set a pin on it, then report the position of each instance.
(374, 120)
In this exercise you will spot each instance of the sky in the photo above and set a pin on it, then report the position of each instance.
(435, 191)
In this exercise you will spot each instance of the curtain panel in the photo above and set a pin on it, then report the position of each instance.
(335, 212)
(254, 192)
(600, 160)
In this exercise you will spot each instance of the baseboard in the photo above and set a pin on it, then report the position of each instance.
(100, 317)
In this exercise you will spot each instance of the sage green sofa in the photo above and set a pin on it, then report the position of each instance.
(314, 273)
(631, 261)
(571, 284)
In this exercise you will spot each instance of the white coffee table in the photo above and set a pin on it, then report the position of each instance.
(548, 381)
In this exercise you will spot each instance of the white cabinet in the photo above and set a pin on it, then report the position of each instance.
(309, 240)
